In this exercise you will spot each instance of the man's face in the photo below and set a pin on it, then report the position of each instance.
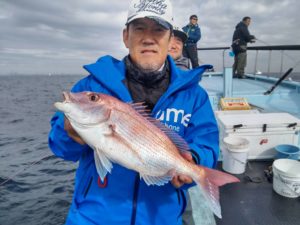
(175, 47)
(247, 22)
(193, 20)
(148, 43)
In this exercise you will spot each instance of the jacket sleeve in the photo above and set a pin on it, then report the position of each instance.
(247, 36)
(202, 133)
(59, 141)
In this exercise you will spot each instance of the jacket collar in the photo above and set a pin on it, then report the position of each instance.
(110, 72)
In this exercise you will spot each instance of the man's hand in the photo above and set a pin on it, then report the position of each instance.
(72, 133)
(179, 180)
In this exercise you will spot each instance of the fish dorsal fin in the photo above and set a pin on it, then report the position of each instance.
(103, 165)
(141, 108)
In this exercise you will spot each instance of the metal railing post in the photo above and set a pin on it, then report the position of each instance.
(255, 63)
(227, 82)
(269, 62)
(224, 58)
(281, 57)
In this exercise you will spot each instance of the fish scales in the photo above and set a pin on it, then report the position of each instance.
(149, 142)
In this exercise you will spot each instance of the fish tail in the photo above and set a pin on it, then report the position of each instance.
(209, 181)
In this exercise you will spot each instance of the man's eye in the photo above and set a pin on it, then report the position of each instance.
(159, 30)
(139, 28)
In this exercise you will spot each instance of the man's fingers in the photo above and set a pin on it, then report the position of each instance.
(180, 180)
(185, 179)
(188, 156)
(71, 132)
(176, 183)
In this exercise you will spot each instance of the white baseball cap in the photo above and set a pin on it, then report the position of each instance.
(159, 11)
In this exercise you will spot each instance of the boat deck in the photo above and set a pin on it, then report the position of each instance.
(285, 98)
(251, 203)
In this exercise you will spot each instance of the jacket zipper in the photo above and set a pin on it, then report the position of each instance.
(88, 187)
(135, 198)
(181, 196)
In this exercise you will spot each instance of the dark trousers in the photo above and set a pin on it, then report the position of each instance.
(190, 51)
(240, 62)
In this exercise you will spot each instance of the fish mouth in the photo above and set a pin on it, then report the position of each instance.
(62, 106)
(67, 97)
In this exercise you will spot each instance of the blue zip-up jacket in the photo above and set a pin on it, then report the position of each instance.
(123, 198)
(193, 32)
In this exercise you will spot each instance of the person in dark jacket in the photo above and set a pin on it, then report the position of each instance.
(147, 74)
(194, 34)
(241, 37)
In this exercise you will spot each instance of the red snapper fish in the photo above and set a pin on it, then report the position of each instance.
(125, 134)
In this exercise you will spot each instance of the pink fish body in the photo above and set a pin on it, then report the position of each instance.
(125, 134)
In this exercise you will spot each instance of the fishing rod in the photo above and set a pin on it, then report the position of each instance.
(285, 75)
(279, 81)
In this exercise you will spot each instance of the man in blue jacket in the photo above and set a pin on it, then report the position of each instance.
(147, 75)
(194, 34)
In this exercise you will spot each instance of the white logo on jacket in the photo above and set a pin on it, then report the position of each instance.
(173, 116)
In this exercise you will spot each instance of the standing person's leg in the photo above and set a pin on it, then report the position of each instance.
(234, 66)
(242, 60)
(193, 55)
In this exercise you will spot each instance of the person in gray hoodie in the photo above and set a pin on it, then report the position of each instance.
(176, 49)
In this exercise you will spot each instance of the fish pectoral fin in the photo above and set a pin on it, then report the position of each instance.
(103, 165)
(152, 180)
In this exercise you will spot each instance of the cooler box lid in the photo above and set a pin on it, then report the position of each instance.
(259, 120)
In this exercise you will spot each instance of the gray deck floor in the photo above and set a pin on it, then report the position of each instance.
(248, 203)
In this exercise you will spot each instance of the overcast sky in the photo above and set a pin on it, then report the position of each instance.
(59, 36)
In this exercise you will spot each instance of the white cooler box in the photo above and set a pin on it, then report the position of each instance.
(263, 130)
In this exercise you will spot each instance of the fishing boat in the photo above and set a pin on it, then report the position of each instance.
(265, 110)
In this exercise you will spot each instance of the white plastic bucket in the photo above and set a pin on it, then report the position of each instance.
(235, 154)
(286, 177)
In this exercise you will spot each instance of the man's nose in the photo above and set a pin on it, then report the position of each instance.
(148, 37)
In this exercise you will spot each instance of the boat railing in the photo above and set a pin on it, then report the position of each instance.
(270, 48)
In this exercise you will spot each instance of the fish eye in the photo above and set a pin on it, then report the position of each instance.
(94, 97)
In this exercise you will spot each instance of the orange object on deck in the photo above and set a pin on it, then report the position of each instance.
(234, 104)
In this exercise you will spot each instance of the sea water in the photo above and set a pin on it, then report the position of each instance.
(41, 192)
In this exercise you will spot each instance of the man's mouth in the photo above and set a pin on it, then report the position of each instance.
(148, 51)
